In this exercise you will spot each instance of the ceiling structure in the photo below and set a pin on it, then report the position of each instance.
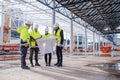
(40, 14)
(103, 15)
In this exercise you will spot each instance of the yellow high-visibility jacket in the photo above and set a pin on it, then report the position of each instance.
(34, 35)
(58, 37)
(19, 30)
(48, 35)
(24, 35)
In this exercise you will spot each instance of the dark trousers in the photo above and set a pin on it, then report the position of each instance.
(32, 51)
(48, 58)
(59, 55)
(23, 55)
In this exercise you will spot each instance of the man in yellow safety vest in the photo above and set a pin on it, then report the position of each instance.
(25, 41)
(34, 34)
(47, 60)
(59, 44)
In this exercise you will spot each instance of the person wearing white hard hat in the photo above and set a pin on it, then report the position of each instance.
(56, 26)
(25, 41)
(28, 23)
(48, 56)
(59, 44)
(34, 34)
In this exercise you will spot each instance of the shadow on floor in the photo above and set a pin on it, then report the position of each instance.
(112, 68)
(74, 73)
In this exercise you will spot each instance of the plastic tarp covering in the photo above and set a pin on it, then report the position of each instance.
(46, 45)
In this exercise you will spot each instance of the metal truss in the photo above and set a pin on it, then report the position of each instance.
(65, 12)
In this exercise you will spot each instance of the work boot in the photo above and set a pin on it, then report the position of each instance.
(49, 65)
(46, 64)
(32, 65)
(37, 64)
(25, 67)
(56, 64)
(59, 65)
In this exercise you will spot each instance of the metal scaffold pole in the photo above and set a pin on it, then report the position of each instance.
(103, 41)
(66, 41)
(71, 34)
(93, 42)
(99, 41)
(85, 40)
(77, 40)
(53, 16)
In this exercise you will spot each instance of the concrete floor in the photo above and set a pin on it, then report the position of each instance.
(74, 68)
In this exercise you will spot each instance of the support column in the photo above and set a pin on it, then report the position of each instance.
(99, 41)
(112, 45)
(93, 41)
(66, 40)
(82, 41)
(106, 42)
(77, 40)
(2, 24)
(85, 39)
(71, 34)
(53, 16)
(103, 41)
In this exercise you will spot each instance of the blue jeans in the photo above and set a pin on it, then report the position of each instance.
(59, 55)
(23, 55)
(23, 50)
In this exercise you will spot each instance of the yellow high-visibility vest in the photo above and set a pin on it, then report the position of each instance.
(48, 35)
(33, 43)
(19, 30)
(58, 37)
(24, 34)
(35, 35)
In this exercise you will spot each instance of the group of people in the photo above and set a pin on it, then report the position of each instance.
(28, 40)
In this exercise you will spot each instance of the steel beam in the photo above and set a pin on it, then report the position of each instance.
(65, 12)
(71, 2)
(99, 41)
(71, 34)
(86, 43)
(53, 19)
(93, 42)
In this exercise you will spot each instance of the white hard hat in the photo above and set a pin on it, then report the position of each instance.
(46, 29)
(36, 26)
(28, 22)
(56, 25)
